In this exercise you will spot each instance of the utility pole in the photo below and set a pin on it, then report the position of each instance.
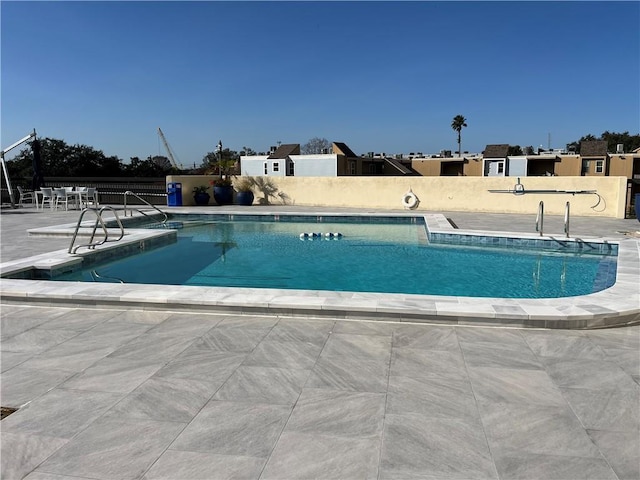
(220, 158)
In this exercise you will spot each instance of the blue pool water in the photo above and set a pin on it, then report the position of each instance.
(368, 258)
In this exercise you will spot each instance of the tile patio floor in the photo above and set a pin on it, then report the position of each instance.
(125, 394)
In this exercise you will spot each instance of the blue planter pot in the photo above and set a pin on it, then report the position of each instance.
(223, 194)
(244, 198)
(201, 198)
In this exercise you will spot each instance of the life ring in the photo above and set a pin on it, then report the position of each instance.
(410, 200)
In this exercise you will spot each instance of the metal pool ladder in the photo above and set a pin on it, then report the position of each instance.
(540, 218)
(128, 192)
(99, 221)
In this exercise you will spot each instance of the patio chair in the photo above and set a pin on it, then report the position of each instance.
(25, 195)
(61, 196)
(90, 196)
(82, 193)
(47, 196)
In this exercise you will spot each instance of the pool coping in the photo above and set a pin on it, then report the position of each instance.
(615, 306)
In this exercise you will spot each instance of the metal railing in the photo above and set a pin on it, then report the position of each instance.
(135, 195)
(566, 219)
(540, 218)
(96, 277)
(99, 221)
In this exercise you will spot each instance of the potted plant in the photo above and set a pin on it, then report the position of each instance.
(200, 195)
(223, 191)
(244, 187)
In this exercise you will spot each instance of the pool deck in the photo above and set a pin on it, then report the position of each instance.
(145, 388)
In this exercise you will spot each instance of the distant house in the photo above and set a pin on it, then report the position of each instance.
(287, 161)
(498, 163)
(594, 157)
(494, 160)
(593, 148)
(447, 166)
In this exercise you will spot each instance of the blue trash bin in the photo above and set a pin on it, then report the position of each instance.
(174, 194)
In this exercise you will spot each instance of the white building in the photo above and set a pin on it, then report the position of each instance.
(286, 161)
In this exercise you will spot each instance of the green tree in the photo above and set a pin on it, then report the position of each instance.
(575, 146)
(62, 160)
(214, 163)
(21, 166)
(613, 139)
(629, 142)
(148, 167)
(514, 150)
(315, 145)
(458, 123)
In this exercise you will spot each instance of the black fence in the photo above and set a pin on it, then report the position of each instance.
(110, 189)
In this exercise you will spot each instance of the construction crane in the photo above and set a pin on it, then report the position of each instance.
(4, 165)
(169, 150)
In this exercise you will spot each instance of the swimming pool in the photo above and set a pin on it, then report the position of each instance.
(390, 255)
(28, 280)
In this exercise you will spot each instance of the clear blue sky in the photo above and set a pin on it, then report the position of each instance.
(379, 76)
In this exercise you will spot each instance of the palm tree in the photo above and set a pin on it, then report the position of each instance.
(458, 123)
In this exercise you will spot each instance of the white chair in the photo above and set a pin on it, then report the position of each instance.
(90, 196)
(82, 194)
(47, 196)
(61, 197)
(25, 195)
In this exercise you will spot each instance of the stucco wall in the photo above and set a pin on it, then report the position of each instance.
(568, 165)
(189, 182)
(469, 194)
(621, 165)
(473, 167)
(428, 167)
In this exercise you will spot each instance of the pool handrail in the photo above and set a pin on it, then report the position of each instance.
(99, 220)
(129, 192)
(540, 218)
(95, 274)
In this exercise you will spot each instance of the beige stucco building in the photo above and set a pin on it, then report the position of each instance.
(593, 160)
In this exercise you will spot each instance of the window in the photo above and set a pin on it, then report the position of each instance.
(352, 167)
(276, 166)
(266, 168)
(500, 168)
(372, 168)
(290, 168)
(585, 168)
(599, 166)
